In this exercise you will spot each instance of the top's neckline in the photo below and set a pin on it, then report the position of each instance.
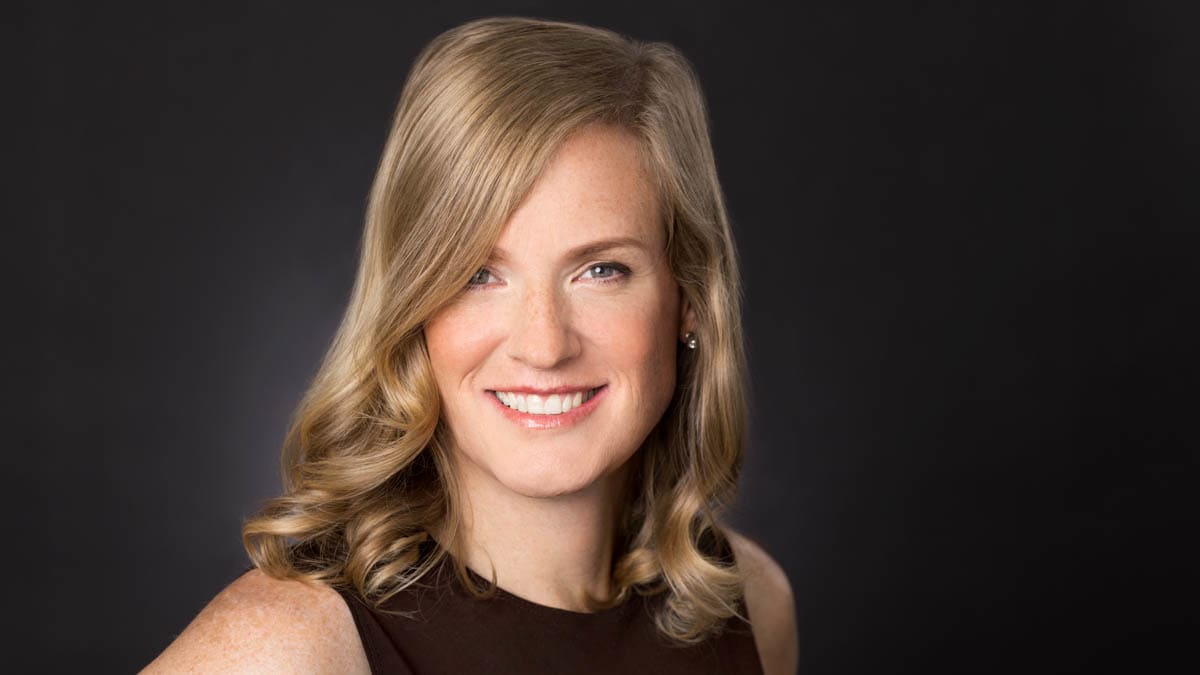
(449, 564)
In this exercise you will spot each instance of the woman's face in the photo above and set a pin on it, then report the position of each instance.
(577, 300)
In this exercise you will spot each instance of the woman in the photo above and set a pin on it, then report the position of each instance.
(513, 455)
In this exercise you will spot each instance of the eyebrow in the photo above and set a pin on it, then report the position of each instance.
(587, 250)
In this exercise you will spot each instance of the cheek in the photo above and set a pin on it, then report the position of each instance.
(458, 343)
(636, 337)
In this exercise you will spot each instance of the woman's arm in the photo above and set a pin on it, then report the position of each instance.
(259, 624)
(770, 604)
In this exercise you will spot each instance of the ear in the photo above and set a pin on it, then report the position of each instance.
(687, 315)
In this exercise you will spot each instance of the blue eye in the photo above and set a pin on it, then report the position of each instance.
(607, 271)
(480, 278)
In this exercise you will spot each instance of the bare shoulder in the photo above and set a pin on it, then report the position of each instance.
(770, 604)
(259, 624)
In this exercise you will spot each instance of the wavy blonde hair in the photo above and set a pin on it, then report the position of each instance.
(366, 462)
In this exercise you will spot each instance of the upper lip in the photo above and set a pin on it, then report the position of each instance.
(566, 389)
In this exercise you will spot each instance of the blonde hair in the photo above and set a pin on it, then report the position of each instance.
(366, 463)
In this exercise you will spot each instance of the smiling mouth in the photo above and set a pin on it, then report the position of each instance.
(554, 404)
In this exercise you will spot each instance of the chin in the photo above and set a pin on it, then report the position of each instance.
(550, 478)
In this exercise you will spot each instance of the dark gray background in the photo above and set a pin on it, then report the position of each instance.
(969, 244)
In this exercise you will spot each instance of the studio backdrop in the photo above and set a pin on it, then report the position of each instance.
(967, 235)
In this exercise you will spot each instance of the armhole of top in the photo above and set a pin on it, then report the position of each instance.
(726, 553)
(359, 612)
(738, 630)
(363, 623)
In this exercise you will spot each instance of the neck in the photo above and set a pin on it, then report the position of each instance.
(554, 551)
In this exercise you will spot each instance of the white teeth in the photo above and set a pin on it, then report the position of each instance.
(535, 404)
(553, 404)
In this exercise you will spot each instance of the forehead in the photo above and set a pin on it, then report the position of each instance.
(595, 186)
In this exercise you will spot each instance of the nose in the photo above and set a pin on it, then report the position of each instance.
(542, 335)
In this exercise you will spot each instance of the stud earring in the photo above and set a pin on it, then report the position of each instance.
(690, 340)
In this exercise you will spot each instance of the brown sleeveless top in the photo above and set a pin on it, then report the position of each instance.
(451, 631)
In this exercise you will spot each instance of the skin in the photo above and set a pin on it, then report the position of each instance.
(540, 504)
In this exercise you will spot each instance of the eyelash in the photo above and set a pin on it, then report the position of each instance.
(622, 272)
